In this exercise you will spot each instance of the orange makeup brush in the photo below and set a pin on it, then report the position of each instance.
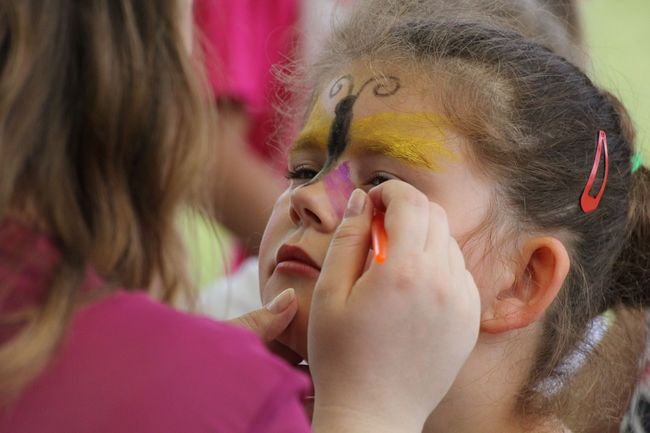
(378, 236)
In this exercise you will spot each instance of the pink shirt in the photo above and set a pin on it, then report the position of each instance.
(131, 364)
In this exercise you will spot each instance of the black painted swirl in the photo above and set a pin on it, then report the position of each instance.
(339, 83)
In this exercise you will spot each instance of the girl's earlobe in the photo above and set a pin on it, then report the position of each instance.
(545, 266)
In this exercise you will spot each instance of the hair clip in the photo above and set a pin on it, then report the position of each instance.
(637, 162)
(589, 203)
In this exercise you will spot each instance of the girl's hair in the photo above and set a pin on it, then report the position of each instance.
(104, 129)
(532, 120)
(552, 23)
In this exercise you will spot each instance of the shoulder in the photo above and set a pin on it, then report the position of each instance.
(145, 328)
(171, 371)
(139, 316)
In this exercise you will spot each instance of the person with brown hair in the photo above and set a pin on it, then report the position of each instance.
(532, 169)
(104, 138)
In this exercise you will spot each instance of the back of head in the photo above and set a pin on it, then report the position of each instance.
(103, 136)
(533, 121)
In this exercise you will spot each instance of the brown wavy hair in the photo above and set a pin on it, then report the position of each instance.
(104, 136)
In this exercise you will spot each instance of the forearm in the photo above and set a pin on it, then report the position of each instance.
(245, 187)
(245, 196)
(344, 420)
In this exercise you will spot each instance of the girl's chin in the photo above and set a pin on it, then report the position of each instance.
(286, 353)
(294, 338)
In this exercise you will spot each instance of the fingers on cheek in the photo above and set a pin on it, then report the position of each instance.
(375, 195)
(407, 224)
(369, 259)
(428, 275)
(457, 265)
(438, 217)
(383, 195)
(404, 273)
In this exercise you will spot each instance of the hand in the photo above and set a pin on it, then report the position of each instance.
(271, 320)
(386, 345)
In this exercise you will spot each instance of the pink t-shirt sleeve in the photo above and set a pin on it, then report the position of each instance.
(278, 416)
(132, 364)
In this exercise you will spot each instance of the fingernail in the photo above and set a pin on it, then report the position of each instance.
(356, 203)
(281, 302)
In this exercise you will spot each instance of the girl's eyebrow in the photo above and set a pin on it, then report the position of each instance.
(410, 153)
(416, 138)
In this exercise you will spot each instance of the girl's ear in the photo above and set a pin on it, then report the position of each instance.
(545, 265)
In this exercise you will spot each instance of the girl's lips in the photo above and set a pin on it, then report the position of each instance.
(291, 259)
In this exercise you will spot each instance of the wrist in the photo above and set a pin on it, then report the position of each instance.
(328, 419)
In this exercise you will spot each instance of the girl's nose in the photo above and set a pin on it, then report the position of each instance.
(311, 207)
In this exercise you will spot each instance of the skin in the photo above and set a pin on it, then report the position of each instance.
(242, 174)
(452, 184)
(417, 139)
(304, 217)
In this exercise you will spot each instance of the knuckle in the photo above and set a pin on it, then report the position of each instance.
(406, 274)
(346, 234)
(437, 212)
(253, 322)
(414, 197)
(404, 192)
(442, 294)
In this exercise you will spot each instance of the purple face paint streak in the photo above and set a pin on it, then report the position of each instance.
(339, 187)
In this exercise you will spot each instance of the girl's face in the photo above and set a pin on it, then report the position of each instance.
(395, 133)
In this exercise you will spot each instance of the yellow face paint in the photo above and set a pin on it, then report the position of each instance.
(415, 138)
(316, 130)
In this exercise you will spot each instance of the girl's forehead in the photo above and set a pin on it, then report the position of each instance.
(389, 116)
(377, 90)
(420, 139)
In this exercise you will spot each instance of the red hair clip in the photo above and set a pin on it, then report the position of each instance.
(589, 203)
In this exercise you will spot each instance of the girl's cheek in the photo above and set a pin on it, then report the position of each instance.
(277, 226)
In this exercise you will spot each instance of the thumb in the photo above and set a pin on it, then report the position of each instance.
(348, 250)
(271, 320)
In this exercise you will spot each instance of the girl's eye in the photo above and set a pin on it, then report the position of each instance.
(379, 178)
(301, 174)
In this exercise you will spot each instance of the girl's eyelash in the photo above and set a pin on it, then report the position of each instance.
(300, 173)
(305, 173)
(379, 178)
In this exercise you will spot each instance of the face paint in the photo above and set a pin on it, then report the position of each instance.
(339, 187)
(415, 138)
(338, 137)
(316, 130)
(402, 136)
